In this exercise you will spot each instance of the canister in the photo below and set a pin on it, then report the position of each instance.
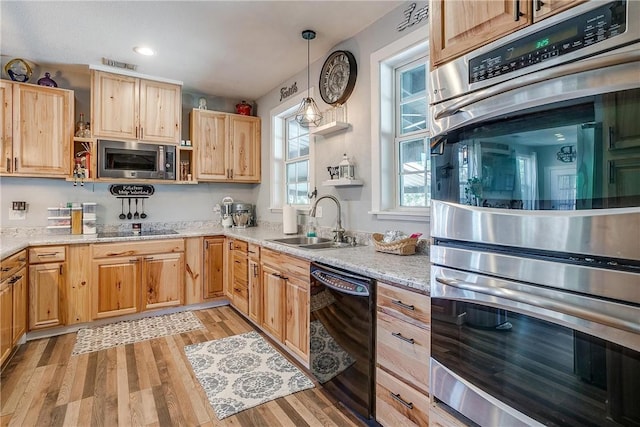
(76, 219)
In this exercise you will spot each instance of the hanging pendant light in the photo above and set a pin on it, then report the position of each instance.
(308, 113)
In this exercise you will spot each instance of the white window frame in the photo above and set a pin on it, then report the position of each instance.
(384, 180)
(277, 183)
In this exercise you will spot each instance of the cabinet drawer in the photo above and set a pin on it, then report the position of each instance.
(406, 305)
(47, 254)
(438, 417)
(240, 270)
(106, 250)
(404, 349)
(240, 246)
(254, 251)
(287, 264)
(12, 264)
(398, 404)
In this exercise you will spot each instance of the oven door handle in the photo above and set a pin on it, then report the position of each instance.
(506, 296)
(594, 63)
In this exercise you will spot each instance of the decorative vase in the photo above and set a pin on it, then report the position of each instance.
(47, 81)
(243, 108)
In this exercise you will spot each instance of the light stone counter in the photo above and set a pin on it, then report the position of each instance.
(411, 271)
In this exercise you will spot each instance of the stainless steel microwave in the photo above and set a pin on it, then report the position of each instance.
(134, 160)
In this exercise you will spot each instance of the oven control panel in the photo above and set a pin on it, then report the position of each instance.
(565, 37)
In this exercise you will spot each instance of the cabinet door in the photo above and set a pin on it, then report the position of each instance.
(42, 130)
(160, 112)
(46, 282)
(255, 292)
(194, 282)
(209, 138)
(544, 9)
(213, 285)
(116, 286)
(78, 290)
(297, 317)
(273, 306)
(240, 281)
(244, 135)
(114, 105)
(6, 319)
(19, 325)
(228, 269)
(6, 126)
(458, 27)
(162, 280)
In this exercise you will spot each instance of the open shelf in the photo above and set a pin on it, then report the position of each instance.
(330, 128)
(342, 182)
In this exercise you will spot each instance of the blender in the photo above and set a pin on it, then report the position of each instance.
(225, 212)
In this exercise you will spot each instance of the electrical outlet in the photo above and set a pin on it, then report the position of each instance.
(318, 211)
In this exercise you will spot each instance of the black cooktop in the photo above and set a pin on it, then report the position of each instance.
(130, 233)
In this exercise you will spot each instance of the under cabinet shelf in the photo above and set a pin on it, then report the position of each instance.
(330, 128)
(342, 182)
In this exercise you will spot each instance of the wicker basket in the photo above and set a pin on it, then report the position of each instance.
(399, 247)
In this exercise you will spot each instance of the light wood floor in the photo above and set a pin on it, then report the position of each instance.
(148, 383)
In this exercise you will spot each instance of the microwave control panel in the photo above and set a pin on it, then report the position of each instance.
(565, 37)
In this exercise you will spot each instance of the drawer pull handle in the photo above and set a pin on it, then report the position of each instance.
(401, 400)
(6, 268)
(399, 336)
(403, 305)
(48, 254)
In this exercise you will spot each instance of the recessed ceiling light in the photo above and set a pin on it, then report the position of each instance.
(146, 51)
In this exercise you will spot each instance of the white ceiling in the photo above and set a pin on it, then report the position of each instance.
(238, 49)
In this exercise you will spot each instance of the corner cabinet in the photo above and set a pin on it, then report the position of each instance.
(37, 130)
(227, 146)
(125, 107)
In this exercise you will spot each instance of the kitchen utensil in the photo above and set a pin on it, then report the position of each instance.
(122, 215)
(129, 216)
(143, 215)
(136, 215)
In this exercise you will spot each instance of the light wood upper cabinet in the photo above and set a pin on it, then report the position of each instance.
(458, 27)
(227, 146)
(543, 9)
(37, 130)
(124, 107)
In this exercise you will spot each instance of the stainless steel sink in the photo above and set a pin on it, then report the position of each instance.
(326, 245)
(302, 240)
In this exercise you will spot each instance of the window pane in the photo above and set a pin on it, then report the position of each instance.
(291, 193)
(413, 157)
(291, 173)
(292, 149)
(302, 192)
(413, 116)
(413, 82)
(303, 143)
(413, 190)
(293, 126)
(303, 171)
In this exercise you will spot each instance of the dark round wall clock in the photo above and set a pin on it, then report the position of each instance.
(338, 77)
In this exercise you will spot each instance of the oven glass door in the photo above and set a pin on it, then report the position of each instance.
(569, 155)
(551, 373)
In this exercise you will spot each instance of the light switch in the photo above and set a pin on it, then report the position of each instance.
(19, 206)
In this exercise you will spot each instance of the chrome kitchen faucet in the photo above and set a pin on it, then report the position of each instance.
(339, 231)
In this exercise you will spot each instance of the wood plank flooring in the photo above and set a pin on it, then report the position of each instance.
(149, 383)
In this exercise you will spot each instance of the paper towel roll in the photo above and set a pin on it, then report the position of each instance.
(289, 220)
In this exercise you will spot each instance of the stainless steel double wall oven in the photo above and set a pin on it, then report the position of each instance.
(535, 222)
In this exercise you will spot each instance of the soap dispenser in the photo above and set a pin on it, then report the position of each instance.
(311, 227)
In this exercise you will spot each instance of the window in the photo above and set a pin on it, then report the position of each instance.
(291, 157)
(296, 162)
(399, 106)
(411, 134)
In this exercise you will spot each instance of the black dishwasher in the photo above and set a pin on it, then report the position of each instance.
(342, 351)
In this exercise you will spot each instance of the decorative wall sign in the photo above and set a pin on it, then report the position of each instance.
(129, 190)
(413, 16)
(566, 154)
(286, 92)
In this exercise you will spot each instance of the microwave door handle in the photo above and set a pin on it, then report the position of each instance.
(161, 159)
(601, 61)
(510, 297)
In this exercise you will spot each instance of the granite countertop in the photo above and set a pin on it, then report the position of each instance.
(412, 271)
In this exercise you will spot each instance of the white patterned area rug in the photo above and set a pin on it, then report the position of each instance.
(243, 371)
(132, 331)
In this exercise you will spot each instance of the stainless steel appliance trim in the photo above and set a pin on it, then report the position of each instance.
(612, 233)
(613, 284)
(533, 91)
(609, 59)
(451, 79)
(473, 402)
(161, 157)
(605, 319)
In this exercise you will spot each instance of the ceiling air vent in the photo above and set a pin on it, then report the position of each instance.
(118, 64)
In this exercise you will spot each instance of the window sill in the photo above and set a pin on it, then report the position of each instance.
(398, 215)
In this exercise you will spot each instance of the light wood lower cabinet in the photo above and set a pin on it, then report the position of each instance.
(213, 285)
(194, 258)
(20, 304)
(13, 302)
(143, 276)
(403, 348)
(6, 319)
(78, 300)
(273, 305)
(47, 285)
(255, 284)
(297, 316)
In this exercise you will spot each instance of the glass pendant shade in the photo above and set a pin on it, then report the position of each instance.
(308, 113)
